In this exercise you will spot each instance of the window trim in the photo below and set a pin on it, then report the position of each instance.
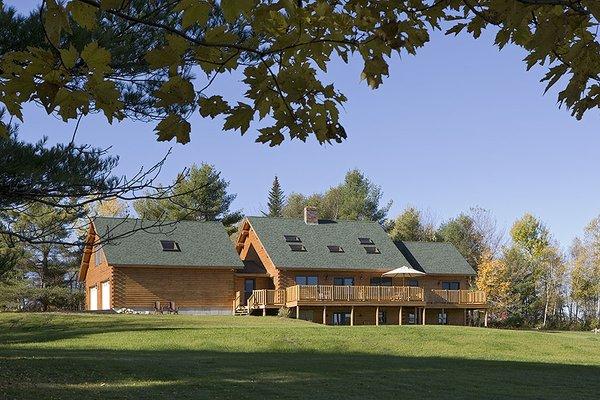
(343, 278)
(306, 279)
(345, 319)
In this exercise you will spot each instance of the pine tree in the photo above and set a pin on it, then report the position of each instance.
(276, 199)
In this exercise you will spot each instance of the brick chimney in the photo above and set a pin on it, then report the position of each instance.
(311, 215)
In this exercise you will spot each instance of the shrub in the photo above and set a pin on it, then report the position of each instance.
(284, 312)
(23, 297)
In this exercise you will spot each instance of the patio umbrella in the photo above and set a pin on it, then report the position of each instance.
(403, 272)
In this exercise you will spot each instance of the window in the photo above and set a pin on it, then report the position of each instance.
(413, 283)
(451, 285)
(292, 239)
(170, 245)
(341, 318)
(412, 318)
(365, 241)
(442, 318)
(335, 249)
(297, 247)
(382, 317)
(307, 315)
(343, 281)
(381, 281)
(372, 250)
(307, 280)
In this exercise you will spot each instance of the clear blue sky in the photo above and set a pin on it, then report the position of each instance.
(459, 125)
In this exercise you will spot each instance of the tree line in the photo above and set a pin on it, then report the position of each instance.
(529, 280)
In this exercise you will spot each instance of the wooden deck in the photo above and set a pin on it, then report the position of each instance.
(316, 295)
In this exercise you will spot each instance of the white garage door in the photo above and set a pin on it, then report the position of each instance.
(106, 295)
(94, 298)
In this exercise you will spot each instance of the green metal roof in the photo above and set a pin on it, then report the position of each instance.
(317, 237)
(435, 258)
(137, 242)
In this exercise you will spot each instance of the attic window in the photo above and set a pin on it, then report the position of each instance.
(292, 239)
(335, 249)
(372, 250)
(170, 245)
(297, 247)
(365, 241)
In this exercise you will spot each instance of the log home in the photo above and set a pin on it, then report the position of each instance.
(130, 263)
(332, 272)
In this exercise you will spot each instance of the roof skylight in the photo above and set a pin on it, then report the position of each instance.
(372, 250)
(170, 245)
(335, 249)
(365, 241)
(292, 239)
(297, 247)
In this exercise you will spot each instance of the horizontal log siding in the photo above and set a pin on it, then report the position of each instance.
(140, 287)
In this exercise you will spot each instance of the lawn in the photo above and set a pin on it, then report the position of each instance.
(62, 356)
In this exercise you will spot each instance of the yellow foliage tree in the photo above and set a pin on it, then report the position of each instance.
(493, 277)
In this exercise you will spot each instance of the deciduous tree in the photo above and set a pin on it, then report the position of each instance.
(133, 59)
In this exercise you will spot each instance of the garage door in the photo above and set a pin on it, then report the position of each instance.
(106, 295)
(94, 298)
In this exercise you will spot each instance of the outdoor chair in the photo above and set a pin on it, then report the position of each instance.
(170, 308)
(157, 308)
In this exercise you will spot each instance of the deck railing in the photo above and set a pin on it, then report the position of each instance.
(237, 302)
(331, 293)
(266, 297)
(323, 294)
(456, 297)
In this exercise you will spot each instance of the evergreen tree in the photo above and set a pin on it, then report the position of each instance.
(200, 195)
(276, 199)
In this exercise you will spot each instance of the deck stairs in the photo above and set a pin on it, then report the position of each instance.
(241, 310)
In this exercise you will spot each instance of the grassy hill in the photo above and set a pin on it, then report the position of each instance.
(63, 356)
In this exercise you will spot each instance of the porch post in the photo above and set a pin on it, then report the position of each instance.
(324, 315)
(264, 312)
(377, 316)
(297, 312)
(400, 316)
(465, 317)
(444, 312)
(485, 319)
(352, 316)
(423, 315)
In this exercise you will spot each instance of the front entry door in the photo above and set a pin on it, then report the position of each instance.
(249, 285)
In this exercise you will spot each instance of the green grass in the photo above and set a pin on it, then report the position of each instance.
(62, 356)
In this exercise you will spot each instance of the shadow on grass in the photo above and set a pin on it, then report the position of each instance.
(55, 372)
(109, 374)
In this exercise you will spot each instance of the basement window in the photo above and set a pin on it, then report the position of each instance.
(372, 250)
(292, 239)
(335, 249)
(365, 241)
(170, 245)
(297, 247)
